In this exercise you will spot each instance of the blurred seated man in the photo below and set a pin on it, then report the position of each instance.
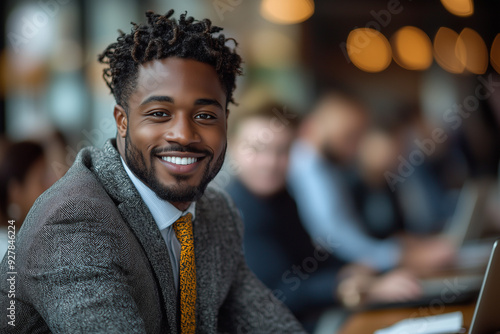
(327, 145)
(277, 248)
(24, 175)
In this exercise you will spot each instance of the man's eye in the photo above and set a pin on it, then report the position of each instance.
(159, 114)
(204, 116)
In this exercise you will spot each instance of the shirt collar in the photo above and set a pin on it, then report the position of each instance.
(164, 213)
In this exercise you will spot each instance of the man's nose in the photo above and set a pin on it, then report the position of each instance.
(182, 131)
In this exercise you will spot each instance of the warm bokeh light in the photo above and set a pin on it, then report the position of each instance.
(459, 7)
(369, 50)
(447, 47)
(475, 53)
(412, 48)
(495, 53)
(287, 11)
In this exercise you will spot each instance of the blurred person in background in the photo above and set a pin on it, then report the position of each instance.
(380, 203)
(327, 146)
(277, 247)
(24, 175)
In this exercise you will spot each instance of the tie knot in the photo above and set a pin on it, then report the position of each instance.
(183, 227)
(184, 219)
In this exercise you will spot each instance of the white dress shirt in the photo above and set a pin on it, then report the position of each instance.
(164, 214)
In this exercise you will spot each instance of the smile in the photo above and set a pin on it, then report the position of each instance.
(179, 160)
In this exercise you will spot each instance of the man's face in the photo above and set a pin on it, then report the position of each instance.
(175, 130)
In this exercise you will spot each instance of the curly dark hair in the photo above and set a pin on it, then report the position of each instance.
(164, 37)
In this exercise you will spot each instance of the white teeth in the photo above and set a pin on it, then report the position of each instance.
(180, 161)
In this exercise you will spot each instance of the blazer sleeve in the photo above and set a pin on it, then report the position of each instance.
(74, 275)
(251, 307)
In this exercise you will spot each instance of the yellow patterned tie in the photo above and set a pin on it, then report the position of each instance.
(187, 281)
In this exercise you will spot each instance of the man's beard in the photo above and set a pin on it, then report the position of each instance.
(177, 193)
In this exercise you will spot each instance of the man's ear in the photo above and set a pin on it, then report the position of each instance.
(121, 120)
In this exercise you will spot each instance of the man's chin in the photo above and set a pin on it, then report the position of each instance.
(178, 181)
(179, 192)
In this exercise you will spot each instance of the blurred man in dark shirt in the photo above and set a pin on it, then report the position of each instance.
(277, 247)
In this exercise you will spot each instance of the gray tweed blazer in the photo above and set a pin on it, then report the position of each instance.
(90, 259)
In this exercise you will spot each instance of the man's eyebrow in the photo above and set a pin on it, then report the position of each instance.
(157, 98)
(208, 102)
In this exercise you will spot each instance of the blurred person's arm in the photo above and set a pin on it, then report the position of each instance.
(424, 255)
(327, 215)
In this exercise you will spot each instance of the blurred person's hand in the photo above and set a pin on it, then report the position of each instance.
(360, 285)
(396, 286)
(426, 255)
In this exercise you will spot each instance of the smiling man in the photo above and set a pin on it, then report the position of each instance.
(131, 239)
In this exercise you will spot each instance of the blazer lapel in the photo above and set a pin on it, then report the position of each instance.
(206, 271)
(108, 168)
(140, 220)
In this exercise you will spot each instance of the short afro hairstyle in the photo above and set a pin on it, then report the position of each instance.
(164, 37)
